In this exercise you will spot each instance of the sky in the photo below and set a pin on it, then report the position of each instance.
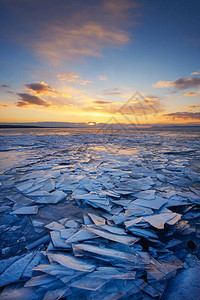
(119, 61)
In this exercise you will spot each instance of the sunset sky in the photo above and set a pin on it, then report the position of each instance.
(88, 61)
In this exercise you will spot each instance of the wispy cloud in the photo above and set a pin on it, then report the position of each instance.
(180, 84)
(113, 93)
(70, 77)
(4, 105)
(184, 115)
(190, 94)
(4, 86)
(193, 106)
(102, 102)
(87, 31)
(146, 106)
(27, 99)
(103, 78)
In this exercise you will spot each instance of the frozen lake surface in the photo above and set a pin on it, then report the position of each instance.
(89, 214)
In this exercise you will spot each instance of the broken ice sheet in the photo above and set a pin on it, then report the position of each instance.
(146, 233)
(97, 219)
(81, 235)
(112, 272)
(58, 241)
(137, 184)
(55, 226)
(87, 283)
(71, 262)
(124, 239)
(49, 198)
(40, 280)
(20, 199)
(154, 204)
(28, 210)
(108, 252)
(15, 270)
(146, 195)
(159, 220)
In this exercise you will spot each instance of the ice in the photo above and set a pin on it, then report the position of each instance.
(42, 240)
(40, 280)
(158, 221)
(50, 198)
(66, 233)
(56, 294)
(112, 223)
(81, 235)
(55, 226)
(97, 219)
(185, 285)
(71, 224)
(157, 203)
(124, 239)
(137, 184)
(15, 270)
(28, 210)
(71, 262)
(108, 252)
(146, 195)
(87, 283)
(58, 241)
(20, 199)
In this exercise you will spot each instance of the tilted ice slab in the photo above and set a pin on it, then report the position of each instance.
(71, 262)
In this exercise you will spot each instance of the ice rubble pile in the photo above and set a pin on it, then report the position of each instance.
(136, 212)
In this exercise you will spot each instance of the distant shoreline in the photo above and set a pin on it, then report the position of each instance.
(96, 127)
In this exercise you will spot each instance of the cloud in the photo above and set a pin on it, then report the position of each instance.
(70, 77)
(184, 115)
(180, 84)
(113, 93)
(195, 73)
(39, 88)
(4, 105)
(4, 85)
(64, 43)
(102, 77)
(190, 94)
(42, 88)
(102, 102)
(84, 30)
(27, 99)
(144, 107)
(193, 106)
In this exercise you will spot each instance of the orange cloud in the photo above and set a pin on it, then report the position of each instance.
(40, 88)
(190, 94)
(70, 77)
(195, 73)
(193, 106)
(4, 105)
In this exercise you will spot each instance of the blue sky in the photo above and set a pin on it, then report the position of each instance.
(79, 61)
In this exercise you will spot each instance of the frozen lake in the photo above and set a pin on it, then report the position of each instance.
(89, 214)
